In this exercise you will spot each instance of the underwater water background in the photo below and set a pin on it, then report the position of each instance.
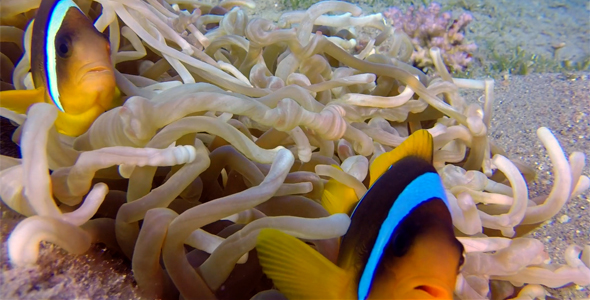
(516, 37)
(546, 40)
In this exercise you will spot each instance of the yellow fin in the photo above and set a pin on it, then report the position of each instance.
(19, 100)
(418, 144)
(338, 197)
(75, 125)
(118, 99)
(300, 272)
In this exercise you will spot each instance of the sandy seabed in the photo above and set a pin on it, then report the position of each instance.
(560, 102)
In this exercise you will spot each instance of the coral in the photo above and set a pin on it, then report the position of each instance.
(429, 28)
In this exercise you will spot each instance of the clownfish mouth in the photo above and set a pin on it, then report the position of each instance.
(98, 69)
(92, 71)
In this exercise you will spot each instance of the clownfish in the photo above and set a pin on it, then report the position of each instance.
(71, 68)
(400, 243)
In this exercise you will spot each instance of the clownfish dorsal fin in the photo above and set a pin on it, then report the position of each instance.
(338, 197)
(299, 271)
(418, 144)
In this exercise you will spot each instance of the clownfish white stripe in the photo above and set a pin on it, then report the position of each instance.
(425, 187)
(54, 23)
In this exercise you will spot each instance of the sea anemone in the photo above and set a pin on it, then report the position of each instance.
(241, 124)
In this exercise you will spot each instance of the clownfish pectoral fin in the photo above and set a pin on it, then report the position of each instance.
(75, 125)
(338, 197)
(20, 100)
(118, 99)
(299, 271)
(418, 144)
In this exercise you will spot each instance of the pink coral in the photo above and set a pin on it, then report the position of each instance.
(428, 27)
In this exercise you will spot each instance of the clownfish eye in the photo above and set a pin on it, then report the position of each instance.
(63, 47)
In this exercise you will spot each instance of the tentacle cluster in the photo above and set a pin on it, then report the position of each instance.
(230, 129)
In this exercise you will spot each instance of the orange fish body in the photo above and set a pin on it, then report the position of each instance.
(71, 67)
(400, 243)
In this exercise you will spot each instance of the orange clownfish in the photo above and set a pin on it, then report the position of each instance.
(400, 243)
(71, 67)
